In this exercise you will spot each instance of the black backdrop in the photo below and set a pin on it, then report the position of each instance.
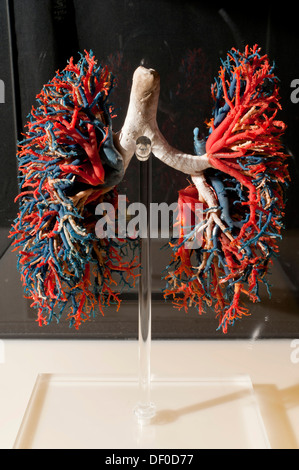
(39, 36)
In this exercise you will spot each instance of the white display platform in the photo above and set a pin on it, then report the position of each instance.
(75, 412)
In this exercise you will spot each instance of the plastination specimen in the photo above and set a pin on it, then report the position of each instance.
(70, 160)
(68, 164)
(243, 194)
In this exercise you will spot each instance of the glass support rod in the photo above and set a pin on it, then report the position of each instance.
(145, 409)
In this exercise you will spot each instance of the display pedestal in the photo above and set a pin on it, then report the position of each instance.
(70, 412)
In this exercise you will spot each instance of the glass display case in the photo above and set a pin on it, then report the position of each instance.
(184, 42)
(39, 37)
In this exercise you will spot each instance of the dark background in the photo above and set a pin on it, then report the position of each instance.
(39, 36)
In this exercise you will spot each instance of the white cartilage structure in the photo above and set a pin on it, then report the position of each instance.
(141, 120)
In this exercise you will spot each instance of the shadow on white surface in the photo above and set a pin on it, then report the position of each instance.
(274, 405)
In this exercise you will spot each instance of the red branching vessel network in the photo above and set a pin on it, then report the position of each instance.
(239, 235)
(68, 164)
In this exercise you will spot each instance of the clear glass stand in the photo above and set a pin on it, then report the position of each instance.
(145, 409)
(77, 412)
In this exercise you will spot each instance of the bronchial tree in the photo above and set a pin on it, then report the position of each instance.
(71, 160)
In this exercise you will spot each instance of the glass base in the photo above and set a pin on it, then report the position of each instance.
(145, 413)
(77, 412)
